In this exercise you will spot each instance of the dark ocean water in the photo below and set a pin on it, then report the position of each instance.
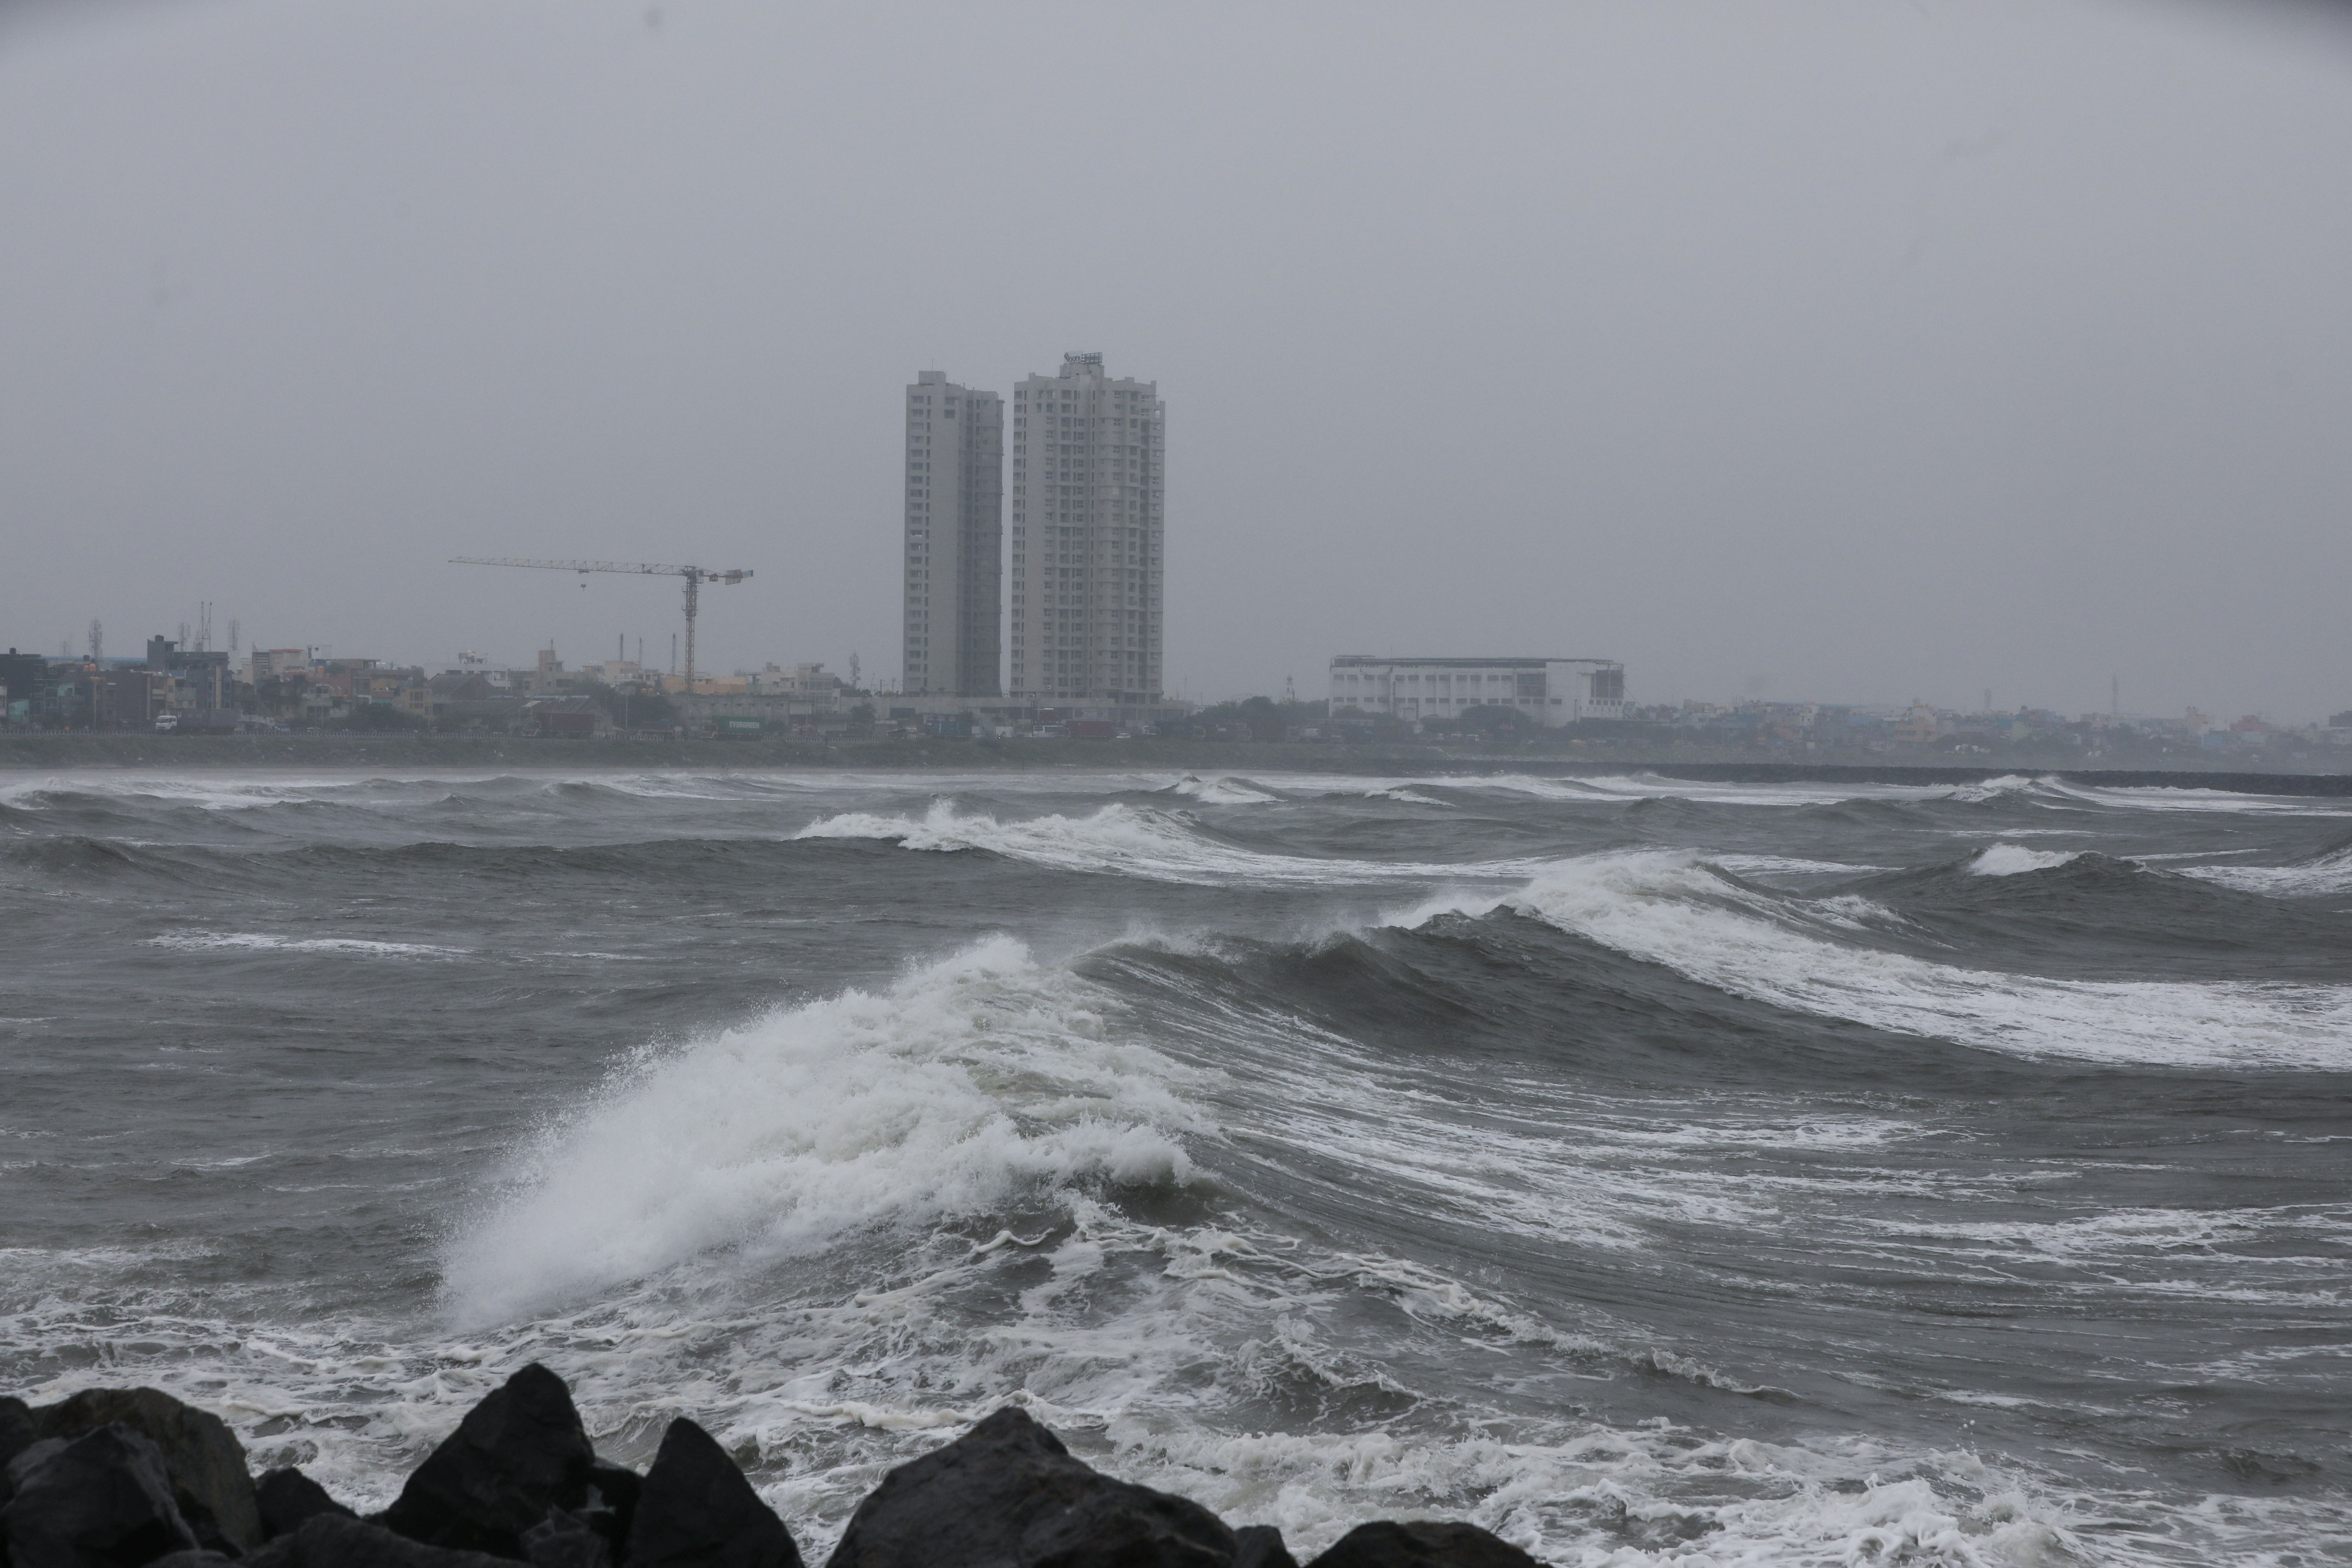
(1655, 1172)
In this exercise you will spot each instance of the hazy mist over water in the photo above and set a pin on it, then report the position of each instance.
(1847, 352)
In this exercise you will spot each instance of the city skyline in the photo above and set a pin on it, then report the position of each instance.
(1787, 354)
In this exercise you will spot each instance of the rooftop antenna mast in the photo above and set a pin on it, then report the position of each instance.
(696, 576)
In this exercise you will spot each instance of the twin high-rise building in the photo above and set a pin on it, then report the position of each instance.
(955, 537)
(1081, 624)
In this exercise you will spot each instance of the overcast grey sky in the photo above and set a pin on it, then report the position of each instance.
(1851, 352)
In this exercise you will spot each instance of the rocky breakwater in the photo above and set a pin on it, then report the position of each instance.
(122, 1478)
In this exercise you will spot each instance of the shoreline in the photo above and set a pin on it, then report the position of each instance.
(56, 752)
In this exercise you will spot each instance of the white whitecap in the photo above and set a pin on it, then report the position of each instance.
(2013, 859)
(1223, 792)
(1131, 841)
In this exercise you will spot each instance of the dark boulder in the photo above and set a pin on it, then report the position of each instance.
(696, 1510)
(1423, 1543)
(1260, 1546)
(102, 1499)
(519, 1453)
(567, 1539)
(339, 1541)
(16, 1429)
(595, 1535)
(1009, 1495)
(613, 1493)
(286, 1498)
(201, 1455)
(17, 1434)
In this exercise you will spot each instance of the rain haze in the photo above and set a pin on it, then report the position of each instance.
(1852, 352)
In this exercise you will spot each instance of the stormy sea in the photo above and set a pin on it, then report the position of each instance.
(1652, 1171)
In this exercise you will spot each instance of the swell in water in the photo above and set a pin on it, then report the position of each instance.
(1652, 1173)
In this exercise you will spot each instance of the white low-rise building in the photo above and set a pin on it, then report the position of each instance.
(1552, 691)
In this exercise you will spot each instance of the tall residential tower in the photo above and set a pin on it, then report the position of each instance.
(955, 538)
(1086, 580)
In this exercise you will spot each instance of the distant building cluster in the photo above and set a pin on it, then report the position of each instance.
(177, 690)
(1547, 693)
(1078, 635)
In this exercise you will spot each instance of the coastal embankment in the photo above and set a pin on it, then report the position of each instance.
(1721, 765)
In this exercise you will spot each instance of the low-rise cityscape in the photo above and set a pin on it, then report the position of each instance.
(1052, 627)
(1529, 703)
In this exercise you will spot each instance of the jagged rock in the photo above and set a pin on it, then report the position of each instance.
(30, 1458)
(339, 1541)
(17, 1434)
(1260, 1546)
(1009, 1495)
(566, 1539)
(102, 1499)
(288, 1496)
(16, 1429)
(519, 1453)
(1422, 1544)
(594, 1536)
(613, 1502)
(696, 1510)
(201, 1455)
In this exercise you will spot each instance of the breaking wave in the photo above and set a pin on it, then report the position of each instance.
(2327, 872)
(1223, 791)
(1673, 908)
(1133, 841)
(2012, 859)
(969, 1079)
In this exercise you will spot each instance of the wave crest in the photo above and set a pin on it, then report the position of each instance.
(1675, 908)
(942, 1095)
(1128, 841)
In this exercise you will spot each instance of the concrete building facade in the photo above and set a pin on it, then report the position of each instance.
(1088, 563)
(954, 539)
(1552, 691)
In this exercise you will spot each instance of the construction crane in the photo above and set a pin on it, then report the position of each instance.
(696, 576)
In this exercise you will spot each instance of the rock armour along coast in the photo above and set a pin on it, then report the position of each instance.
(125, 1479)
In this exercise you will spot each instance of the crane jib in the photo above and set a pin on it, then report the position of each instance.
(695, 577)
